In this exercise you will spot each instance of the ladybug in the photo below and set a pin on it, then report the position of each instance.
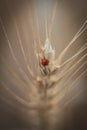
(44, 62)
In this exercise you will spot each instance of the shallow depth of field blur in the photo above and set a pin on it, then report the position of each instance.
(19, 101)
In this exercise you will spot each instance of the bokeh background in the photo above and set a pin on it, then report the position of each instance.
(18, 97)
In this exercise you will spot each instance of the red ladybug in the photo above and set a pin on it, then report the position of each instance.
(44, 62)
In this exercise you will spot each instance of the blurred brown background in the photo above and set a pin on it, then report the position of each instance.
(70, 15)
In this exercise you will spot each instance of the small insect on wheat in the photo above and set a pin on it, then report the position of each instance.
(46, 58)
